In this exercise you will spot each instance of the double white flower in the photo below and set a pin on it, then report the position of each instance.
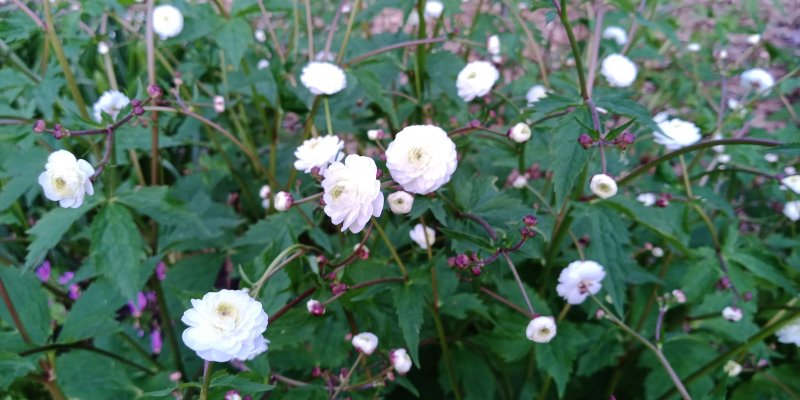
(167, 21)
(792, 210)
(111, 103)
(677, 132)
(400, 361)
(225, 325)
(400, 202)
(421, 158)
(790, 333)
(603, 186)
(66, 179)
(318, 152)
(579, 280)
(541, 329)
(476, 80)
(365, 342)
(323, 78)
(535, 93)
(619, 70)
(792, 182)
(759, 79)
(617, 34)
(352, 192)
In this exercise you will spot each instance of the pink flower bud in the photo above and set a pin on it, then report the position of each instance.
(39, 126)
(530, 220)
(315, 308)
(585, 140)
(154, 91)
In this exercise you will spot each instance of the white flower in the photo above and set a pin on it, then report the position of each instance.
(262, 64)
(111, 103)
(733, 314)
(677, 133)
(792, 182)
(520, 181)
(771, 157)
(102, 48)
(476, 80)
(693, 47)
(579, 280)
(757, 78)
(790, 333)
(260, 35)
(283, 201)
(789, 170)
(400, 361)
(400, 202)
(618, 70)
(352, 193)
(723, 54)
(318, 152)
(520, 132)
(535, 93)
(433, 9)
(617, 34)
(225, 325)
(167, 21)
(365, 342)
(680, 297)
(603, 186)
(375, 134)
(493, 45)
(264, 192)
(723, 158)
(647, 199)
(421, 158)
(423, 236)
(66, 179)
(541, 329)
(219, 104)
(323, 78)
(753, 39)
(732, 368)
(792, 210)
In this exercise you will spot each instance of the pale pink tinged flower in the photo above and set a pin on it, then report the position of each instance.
(352, 193)
(400, 361)
(365, 342)
(579, 280)
(733, 314)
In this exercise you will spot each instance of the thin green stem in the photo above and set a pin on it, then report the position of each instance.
(391, 248)
(207, 366)
(347, 376)
(519, 282)
(448, 363)
(72, 83)
(686, 183)
(576, 52)
(328, 115)
(348, 31)
(169, 329)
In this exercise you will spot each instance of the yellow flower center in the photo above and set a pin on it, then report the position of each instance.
(418, 156)
(337, 191)
(226, 311)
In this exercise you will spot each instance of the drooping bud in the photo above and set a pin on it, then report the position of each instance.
(365, 342)
(154, 91)
(585, 140)
(624, 140)
(283, 201)
(315, 308)
(400, 361)
(530, 220)
(39, 126)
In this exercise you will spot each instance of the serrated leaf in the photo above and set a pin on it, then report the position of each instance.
(50, 228)
(116, 248)
(233, 37)
(30, 302)
(12, 367)
(408, 304)
(616, 131)
(372, 87)
(93, 314)
(608, 245)
(567, 158)
(461, 304)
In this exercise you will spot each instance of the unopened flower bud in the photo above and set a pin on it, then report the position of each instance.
(732, 368)
(527, 233)
(39, 126)
(657, 252)
(400, 202)
(154, 91)
(680, 297)
(361, 251)
(530, 220)
(600, 313)
(541, 329)
(520, 132)
(315, 308)
(663, 201)
(375, 134)
(585, 140)
(475, 123)
(283, 201)
(400, 361)
(316, 372)
(219, 104)
(476, 270)
(519, 182)
(102, 48)
(58, 131)
(338, 288)
(260, 35)
(747, 296)
(365, 342)
(462, 261)
(733, 314)
(264, 192)
(322, 260)
(624, 140)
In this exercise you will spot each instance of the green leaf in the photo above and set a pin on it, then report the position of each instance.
(239, 383)
(117, 248)
(461, 304)
(760, 268)
(408, 303)
(233, 38)
(567, 158)
(616, 131)
(12, 367)
(48, 231)
(374, 90)
(93, 314)
(156, 203)
(85, 375)
(30, 302)
(608, 247)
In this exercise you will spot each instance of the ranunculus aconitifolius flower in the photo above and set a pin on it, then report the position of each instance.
(111, 103)
(225, 325)
(167, 21)
(318, 152)
(759, 79)
(603, 186)
(619, 70)
(677, 133)
(476, 80)
(421, 158)
(422, 235)
(792, 210)
(323, 78)
(520, 132)
(352, 192)
(579, 280)
(66, 179)
(400, 361)
(541, 329)
(400, 202)
(365, 342)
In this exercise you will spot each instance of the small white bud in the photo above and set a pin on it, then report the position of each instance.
(519, 182)
(400, 202)
(262, 64)
(724, 158)
(264, 192)
(541, 329)
(375, 134)
(680, 297)
(219, 104)
(693, 47)
(603, 186)
(283, 201)
(657, 252)
(400, 361)
(754, 39)
(771, 157)
(365, 342)
(102, 48)
(520, 132)
(493, 45)
(733, 314)
(260, 36)
(732, 368)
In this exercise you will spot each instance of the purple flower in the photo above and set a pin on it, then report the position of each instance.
(155, 341)
(161, 271)
(66, 277)
(43, 272)
(74, 291)
(138, 307)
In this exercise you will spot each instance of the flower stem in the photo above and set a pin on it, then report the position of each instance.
(659, 354)
(346, 378)
(353, 14)
(328, 115)
(63, 61)
(519, 282)
(451, 374)
(686, 183)
(207, 366)
(410, 43)
(391, 248)
(576, 52)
